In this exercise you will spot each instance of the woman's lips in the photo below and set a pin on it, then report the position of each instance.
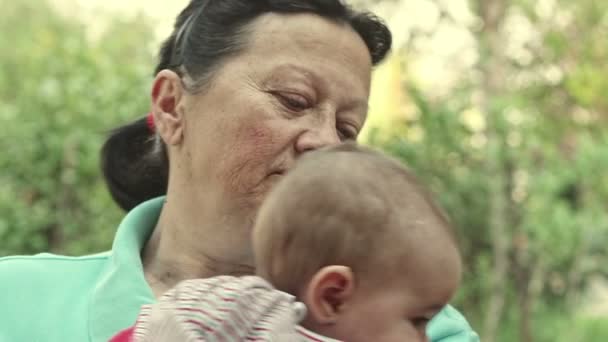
(276, 174)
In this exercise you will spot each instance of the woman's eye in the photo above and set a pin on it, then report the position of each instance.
(347, 132)
(294, 102)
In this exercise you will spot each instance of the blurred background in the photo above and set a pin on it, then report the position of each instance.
(501, 106)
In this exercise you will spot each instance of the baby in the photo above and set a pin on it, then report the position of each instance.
(348, 246)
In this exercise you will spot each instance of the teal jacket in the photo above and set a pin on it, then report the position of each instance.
(50, 298)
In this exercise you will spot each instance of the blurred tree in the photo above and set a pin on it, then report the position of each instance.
(514, 146)
(60, 92)
(514, 152)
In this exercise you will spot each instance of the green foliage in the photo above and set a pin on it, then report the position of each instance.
(551, 143)
(60, 93)
(556, 218)
(555, 326)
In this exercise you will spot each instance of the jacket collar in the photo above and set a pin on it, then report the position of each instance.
(121, 288)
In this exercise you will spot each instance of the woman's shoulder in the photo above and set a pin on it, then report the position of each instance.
(41, 291)
(47, 262)
(20, 271)
(451, 326)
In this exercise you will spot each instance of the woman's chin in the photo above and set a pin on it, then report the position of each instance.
(275, 177)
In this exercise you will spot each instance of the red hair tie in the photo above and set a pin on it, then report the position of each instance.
(150, 122)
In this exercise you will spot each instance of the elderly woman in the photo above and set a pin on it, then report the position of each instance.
(243, 88)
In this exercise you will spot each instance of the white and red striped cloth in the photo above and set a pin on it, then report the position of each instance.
(224, 308)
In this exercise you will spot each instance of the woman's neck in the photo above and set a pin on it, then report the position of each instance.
(178, 250)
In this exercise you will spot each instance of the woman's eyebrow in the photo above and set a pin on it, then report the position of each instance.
(312, 77)
(291, 68)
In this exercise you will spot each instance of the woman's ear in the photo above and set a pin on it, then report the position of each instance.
(167, 92)
(328, 293)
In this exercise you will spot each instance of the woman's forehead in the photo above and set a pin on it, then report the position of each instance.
(319, 46)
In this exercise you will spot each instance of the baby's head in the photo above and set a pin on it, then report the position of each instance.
(353, 235)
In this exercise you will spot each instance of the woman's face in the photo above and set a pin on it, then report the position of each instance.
(301, 83)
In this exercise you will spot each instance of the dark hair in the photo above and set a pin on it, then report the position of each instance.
(133, 160)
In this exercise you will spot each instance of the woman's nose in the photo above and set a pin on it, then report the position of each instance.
(318, 137)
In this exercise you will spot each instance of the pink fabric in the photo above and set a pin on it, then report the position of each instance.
(124, 336)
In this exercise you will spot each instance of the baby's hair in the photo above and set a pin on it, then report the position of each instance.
(345, 205)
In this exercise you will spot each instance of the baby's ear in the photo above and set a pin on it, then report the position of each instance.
(328, 292)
